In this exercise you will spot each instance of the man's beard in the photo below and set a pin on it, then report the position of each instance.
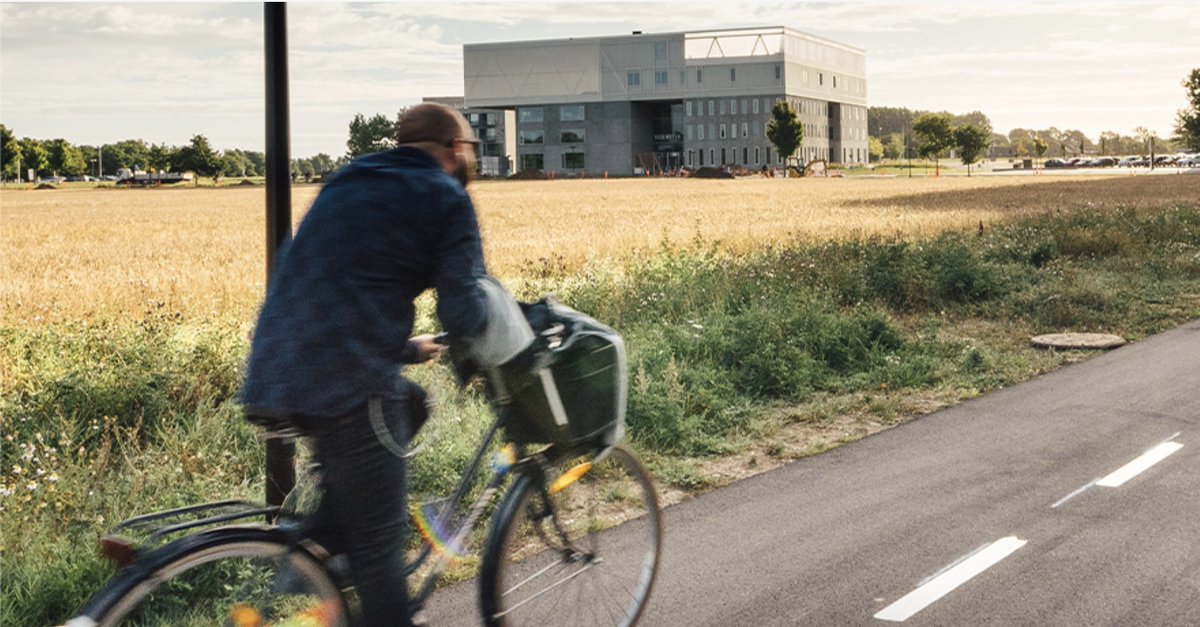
(464, 171)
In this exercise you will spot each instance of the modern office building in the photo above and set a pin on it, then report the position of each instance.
(650, 102)
(493, 127)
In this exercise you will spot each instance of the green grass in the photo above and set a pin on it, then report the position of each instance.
(107, 419)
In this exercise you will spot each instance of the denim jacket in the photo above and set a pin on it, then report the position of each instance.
(334, 327)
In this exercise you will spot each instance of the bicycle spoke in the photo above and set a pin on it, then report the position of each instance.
(548, 589)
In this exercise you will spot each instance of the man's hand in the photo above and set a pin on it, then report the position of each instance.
(427, 348)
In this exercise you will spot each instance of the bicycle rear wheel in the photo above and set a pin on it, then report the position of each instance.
(586, 555)
(242, 577)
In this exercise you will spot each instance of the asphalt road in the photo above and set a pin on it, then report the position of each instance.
(1073, 499)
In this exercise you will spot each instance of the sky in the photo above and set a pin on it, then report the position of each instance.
(100, 73)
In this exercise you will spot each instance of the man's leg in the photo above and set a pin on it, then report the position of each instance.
(365, 499)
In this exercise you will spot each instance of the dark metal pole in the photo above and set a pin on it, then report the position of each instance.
(281, 467)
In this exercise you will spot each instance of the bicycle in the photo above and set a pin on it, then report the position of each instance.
(548, 539)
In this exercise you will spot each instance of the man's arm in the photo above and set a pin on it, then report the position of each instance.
(461, 305)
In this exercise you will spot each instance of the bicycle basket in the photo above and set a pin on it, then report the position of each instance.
(578, 391)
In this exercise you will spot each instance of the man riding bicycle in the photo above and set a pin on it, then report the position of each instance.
(333, 334)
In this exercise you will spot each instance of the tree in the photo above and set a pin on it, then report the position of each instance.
(874, 149)
(64, 159)
(234, 163)
(322, 164)
(198, 157)
(974, 118)
(34, 157)
(258, 163)
(934, 134)
(163, 158)
(373, 135)
(1039, 146)
(129, 153)
(1187, 121)
(972, 142)
(785, 131)
(10, 154)
(894, 148)
(884, 121)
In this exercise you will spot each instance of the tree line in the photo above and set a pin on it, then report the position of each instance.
(59, 157)
(893, 133)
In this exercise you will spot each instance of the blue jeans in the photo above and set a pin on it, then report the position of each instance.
(363, 511)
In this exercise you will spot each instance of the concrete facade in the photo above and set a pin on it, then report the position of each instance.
(632, 103)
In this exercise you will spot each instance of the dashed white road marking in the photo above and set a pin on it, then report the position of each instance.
(1139, 465)
(953, 577)
(1159, 452)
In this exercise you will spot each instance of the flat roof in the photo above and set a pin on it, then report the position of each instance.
(760, 30)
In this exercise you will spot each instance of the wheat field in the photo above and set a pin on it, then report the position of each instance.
(199, 252)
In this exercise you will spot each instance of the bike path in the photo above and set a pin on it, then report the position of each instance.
(1072, 499)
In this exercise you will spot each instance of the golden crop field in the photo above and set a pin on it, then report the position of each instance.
(80, 254)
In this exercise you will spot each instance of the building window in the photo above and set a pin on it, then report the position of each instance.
(778, 76)
(756, 132)
(687, 108)
(745, 130)
(700, 79)
(712, 131)
(745, 106)
(835, 82)
(660, 51)
(733, 106)
(571, 136)
(571, 113)
(529, 115)
(711, 110)
(699, 108)
(804, 76)
(529, 138)
(732, 74)
(572, 161)
(701, 153)
(722, 105)
(660, 78)
(633, 79)
(745, 155)
(722, 131)
(701, 130)
(690, 132)
(532, 162)
(820, 78)
(754, 106)
(757, 155)
(712, 156)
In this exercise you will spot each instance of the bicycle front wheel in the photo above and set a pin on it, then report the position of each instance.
(578, 545)
(241, 577)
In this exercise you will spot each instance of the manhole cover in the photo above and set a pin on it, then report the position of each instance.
(1078, 340)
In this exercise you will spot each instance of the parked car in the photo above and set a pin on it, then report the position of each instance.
(1054, 163)
(1103, 162)
(1127, 162)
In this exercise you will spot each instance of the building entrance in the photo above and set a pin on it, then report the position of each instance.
(666, 120)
